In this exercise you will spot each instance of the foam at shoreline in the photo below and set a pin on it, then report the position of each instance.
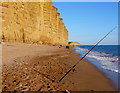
(107, 61)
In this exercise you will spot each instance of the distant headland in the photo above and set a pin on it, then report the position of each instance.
(74, 43)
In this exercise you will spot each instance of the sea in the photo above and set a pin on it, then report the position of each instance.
(105, 58)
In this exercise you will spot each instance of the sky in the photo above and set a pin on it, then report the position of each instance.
(85, 0)
(88, 22)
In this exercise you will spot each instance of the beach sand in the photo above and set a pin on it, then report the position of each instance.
(32, 67)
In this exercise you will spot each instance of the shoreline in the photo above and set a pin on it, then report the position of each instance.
(107, 74)
(107, 83)
(112, 76)
(41, 70)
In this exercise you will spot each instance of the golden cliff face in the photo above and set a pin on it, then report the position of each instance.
(32, 22)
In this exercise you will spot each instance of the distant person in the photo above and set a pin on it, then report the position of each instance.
(67, 47)
(60, 46)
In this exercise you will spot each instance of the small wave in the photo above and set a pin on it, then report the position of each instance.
(108, 61)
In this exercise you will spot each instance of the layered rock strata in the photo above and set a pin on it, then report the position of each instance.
(32, 22)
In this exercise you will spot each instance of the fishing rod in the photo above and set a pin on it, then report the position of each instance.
(86, 55)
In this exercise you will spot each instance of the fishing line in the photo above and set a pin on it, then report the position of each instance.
(86, 55)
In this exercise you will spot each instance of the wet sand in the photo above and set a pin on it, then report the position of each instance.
(29, 67)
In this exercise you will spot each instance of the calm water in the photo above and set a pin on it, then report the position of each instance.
(105, 58)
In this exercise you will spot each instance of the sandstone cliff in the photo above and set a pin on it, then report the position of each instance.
(32, 22)
(74, 43)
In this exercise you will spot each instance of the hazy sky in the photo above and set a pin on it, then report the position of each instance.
(88, 22)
